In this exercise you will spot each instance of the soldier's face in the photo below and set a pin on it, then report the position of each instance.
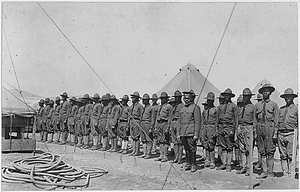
(41, 104)
(154, 100)
(289, 99)
(145, 101)
(210, 102)
(57, 102)
(205, 107)
(164, 100)
(266, 94)
(178, 99)
(227, 97)
(186, 99)
(246, 98)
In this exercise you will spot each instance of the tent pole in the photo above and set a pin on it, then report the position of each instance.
(10, 131)
(189, 78)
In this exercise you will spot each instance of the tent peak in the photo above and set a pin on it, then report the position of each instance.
(188, 66)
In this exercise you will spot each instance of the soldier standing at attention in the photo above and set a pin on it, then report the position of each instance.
(219, 148)
(71, 119)
(40, 118)
(63, 115)
(237, 152)
(56, 120)
(123, 125)
(79, 118)
(103, 122)
(228, 116)
(210, 119)
(190, 125)
(50, 121)
(245, 124)
(95, 119)
(288, 122)
(46, 112)
(154, 99)
(86, 120)
(112, 123)
(135, 110)
(162, 126)
(147, 123)
(266, 114)
(175, 126)
(259, 97)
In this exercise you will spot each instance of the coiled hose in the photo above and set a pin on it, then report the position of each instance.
(47, 171)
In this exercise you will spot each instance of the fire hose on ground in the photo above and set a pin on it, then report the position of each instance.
(47, 171)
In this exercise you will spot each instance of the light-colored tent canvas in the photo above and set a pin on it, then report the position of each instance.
(275, 96)
(189, 77)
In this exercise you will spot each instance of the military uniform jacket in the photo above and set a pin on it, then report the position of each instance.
(246, 114)
(210, 116)
(113, 115)
(72, 114)
(288, 118)
(40, 115)
(46, 112)
(64, 108)
(149, 114)
(96, 111)
(104, 113)
(87, 108)
(164, 113)
(190, 120)
(124, 111)
(50, 115)
(176, 111)
(136, 111)
(228, 114)
(266, 112)
(79, 115)
(56, 113)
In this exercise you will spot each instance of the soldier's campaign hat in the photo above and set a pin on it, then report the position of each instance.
(240, 99)
(177, 94)
(172, 100)
(228, 92)
(288, 92)
(210, 96)
(41, 101)
(146, 97)
(112, 97)
(96, 96)
(86, 96)
(65, 94)
(154, 96)
(266, 86)
(125, 98)
(47, 100)
(135, 94)
(163, 95)
(190, 92)
(259, 97)
(104, 98)
(205, 103)
(221, 96)
(51, 102)
(57, 98)
(247, 91)
(73, 99)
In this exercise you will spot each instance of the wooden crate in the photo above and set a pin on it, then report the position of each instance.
(18, 145)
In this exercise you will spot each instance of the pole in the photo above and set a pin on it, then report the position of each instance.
(10, 132)
(294, 153)
(251, 159)
(189, 76)
(34, 127)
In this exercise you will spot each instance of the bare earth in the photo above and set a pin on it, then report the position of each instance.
(133, 173)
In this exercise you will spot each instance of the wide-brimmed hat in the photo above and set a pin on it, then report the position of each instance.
(210, 96)
(41, 101)
(65, 94)
(266, 86)
(190, 92)
(259, 96)
(73, 99)
(125, 98)
(113, 97)
(51, 102)
(154, 97)
(205, 103)
(163, 95)
(146, 97)
(47, 100)
(172, 100)
(104, 98)
(135, 94)
(228, 92)
(96, 96)
(177, 93)
(57, 98)
(240, 99)
(288, 92)
(247, 91)
(86, 96)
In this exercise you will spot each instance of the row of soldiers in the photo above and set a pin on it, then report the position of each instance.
(178, 123)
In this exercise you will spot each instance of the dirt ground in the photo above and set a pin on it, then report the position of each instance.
(133, 173)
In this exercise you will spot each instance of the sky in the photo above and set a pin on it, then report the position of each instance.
(142, 46)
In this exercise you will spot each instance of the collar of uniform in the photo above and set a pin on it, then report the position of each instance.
(291, 105)
(248, 103)
(211, 106)
(267, 101)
